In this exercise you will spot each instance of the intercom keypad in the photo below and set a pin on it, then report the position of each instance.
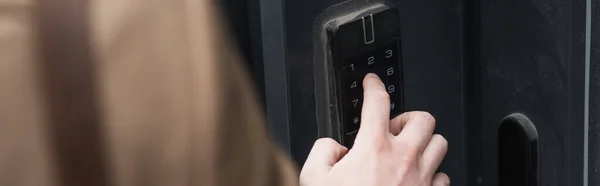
(382, 61)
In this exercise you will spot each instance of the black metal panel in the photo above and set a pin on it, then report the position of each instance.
(432, 63)
(594, 97)
(532, 61)
(472, 88)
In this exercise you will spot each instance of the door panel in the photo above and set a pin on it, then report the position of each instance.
(532, 62)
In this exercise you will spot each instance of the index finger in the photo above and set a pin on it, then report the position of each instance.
(375, 109)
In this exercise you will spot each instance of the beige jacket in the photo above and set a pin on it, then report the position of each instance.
(127, 93)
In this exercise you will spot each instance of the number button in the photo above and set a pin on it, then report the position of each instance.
(355, 120)
(355, 102)
(352, 123)
(389, 74)
(390, 71)
(389, 53)
(371, 60)
(350, 67)
(354, 85)
(391, 89)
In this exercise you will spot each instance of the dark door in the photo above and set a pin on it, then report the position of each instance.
(470, 63)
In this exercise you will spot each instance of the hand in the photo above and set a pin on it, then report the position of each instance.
(400, 152)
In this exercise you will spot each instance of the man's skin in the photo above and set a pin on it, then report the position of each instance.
(402, 151)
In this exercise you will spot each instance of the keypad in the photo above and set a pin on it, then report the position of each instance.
(383, 62)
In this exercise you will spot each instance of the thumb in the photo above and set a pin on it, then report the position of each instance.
(324, 154)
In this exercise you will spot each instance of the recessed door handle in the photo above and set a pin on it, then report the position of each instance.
(518, 151)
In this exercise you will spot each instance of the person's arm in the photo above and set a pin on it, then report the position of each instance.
(178, 96)
(127, 92)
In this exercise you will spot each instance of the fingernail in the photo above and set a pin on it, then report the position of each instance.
(372, 75)
(375, 76)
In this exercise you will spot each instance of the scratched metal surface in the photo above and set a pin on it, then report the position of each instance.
(532, 61)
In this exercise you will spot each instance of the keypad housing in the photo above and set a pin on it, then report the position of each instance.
(369, 43)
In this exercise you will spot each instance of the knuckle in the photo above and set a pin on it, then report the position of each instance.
(427, 117)
(411, 156)
(382, 95)
(402, 176)
(409, 160)
(409, 147)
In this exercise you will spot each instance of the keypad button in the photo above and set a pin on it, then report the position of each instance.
(391, 89)
(350, 68)
(354, 84)
(354, 71)
(390, 54)
(388, 74)
(352, 122)
(390, 71)
(371, 61)
(353, 104)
